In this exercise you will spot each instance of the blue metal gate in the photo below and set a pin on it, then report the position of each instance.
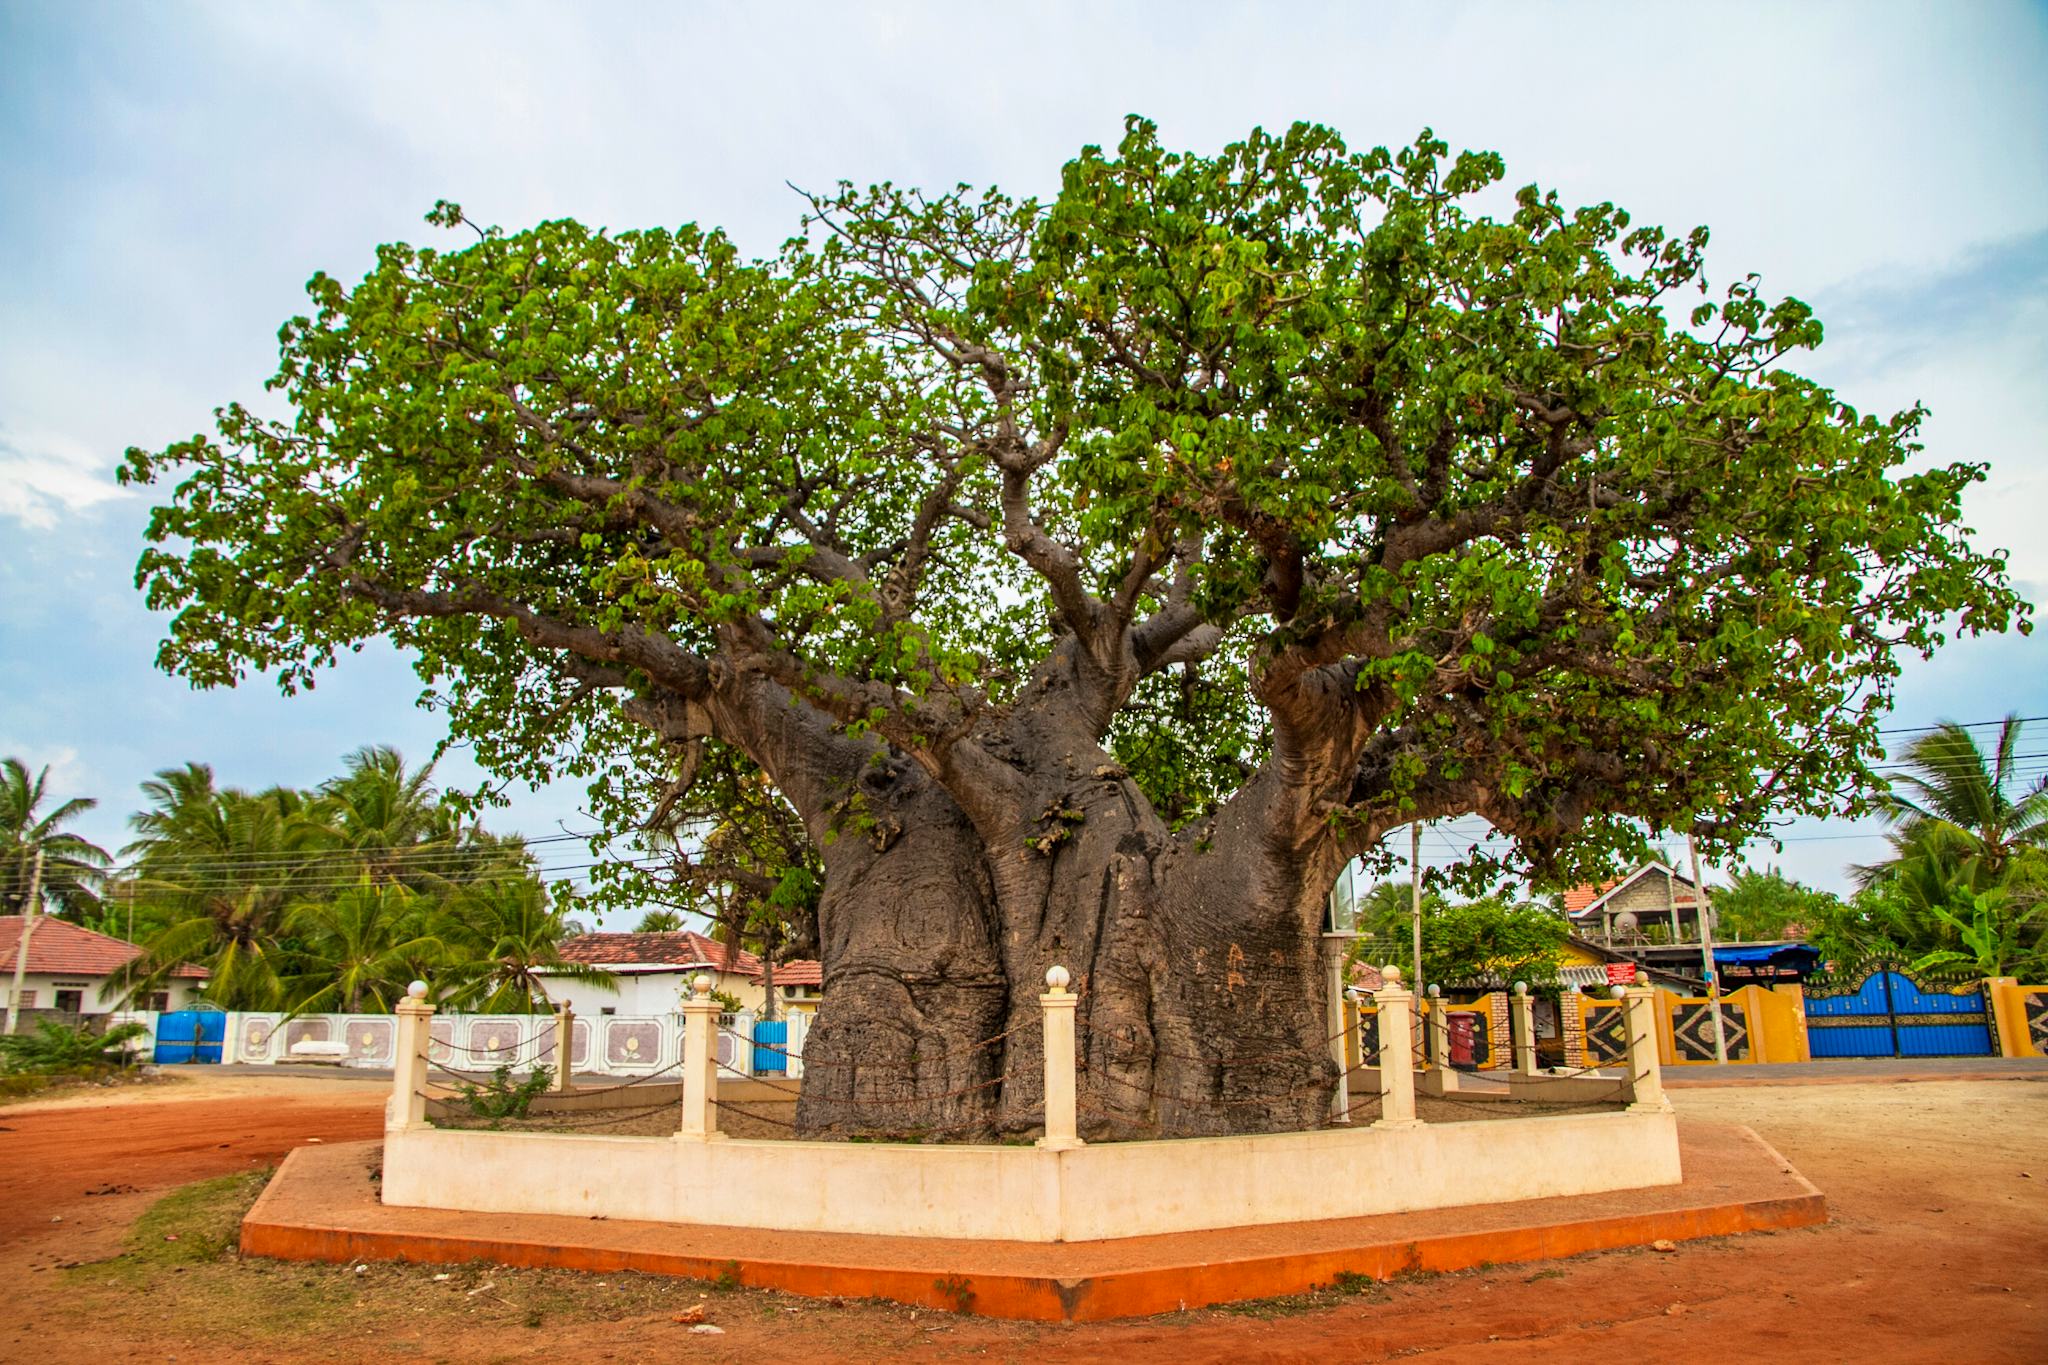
(190, 1036)
(1891, 1012)
(771, 1045)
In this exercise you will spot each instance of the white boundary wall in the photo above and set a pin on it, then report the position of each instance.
(623, 1045)
(1087, 1193)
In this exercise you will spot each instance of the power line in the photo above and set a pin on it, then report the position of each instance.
(1960, 725)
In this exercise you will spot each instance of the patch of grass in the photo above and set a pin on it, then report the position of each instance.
(189, 1226)
(21, 1087)
(1344, 1286)
(1351, 1282)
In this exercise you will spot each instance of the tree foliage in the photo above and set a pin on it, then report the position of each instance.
(336, 898)
(74, 868)
(1965, 884)
(1758, 905)
(1573, 559)
(1092, 577)
(1488, 941)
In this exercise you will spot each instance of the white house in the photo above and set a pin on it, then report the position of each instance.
(71, 970)
(654, 972)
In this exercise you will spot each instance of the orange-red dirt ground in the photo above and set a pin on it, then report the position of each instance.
(1938, 1189)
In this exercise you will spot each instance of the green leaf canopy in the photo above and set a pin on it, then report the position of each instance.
(1336, 470)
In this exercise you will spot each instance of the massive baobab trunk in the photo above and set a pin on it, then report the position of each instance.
(1196, 953)
(1196, 959)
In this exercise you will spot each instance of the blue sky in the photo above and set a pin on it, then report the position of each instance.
(170, 175)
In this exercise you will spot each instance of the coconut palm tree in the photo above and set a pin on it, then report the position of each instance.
(391, 820)
(73, 868)
(1968, 844)
(1967, 803)
(219, 867)
(360, 949)
(504, 937)
(659, 922)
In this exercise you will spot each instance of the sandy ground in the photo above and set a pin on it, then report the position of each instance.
(1939, 1191)
(208, 1084)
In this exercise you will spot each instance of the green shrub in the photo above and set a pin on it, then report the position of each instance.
(56, 1049)
(501, 1097)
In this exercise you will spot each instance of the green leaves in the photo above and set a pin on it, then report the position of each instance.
(1573, 560)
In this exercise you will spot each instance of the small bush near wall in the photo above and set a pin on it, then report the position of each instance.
(502, 1098)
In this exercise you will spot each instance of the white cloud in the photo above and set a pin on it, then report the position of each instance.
(69, 775)
(44, 475)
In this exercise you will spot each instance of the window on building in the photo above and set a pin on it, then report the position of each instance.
(159, 1001)
(609, 1009)
(71, 1002)
(28, 1000)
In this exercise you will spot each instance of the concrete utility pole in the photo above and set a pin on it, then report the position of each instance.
(1671, 903)
(1706, 915)
(1415, 895)
(30, 909)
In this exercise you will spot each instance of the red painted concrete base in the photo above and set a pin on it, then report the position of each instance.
(323, 1206)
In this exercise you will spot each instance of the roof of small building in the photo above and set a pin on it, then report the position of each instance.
(802, 971)
(57, 947)
(680, 948)
(1581, 901)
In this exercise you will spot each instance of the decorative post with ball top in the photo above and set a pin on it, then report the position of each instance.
(700, 1063)
(1062, 1129)
(408, 1105)
(1397, 1051)
(1524, 1030)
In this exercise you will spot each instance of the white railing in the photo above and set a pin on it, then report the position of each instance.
(624, 1045)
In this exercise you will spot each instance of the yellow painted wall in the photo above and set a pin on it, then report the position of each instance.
(2008, 1000)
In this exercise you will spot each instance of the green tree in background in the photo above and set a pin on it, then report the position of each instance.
(1966, 808)
(74, 869)
(504, 936)
(1964, 885)
(1762, 905)
(1492, 941)
(360, 949)
(336, 898)
(390, 822)
(1487, 940)
(218, 868)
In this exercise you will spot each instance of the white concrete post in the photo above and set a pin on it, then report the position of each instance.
(1522, 1011)
(700, 1063)
(1062, 1128)
(1397, 1056)
(1646, 1076)
(408, 1104)
(565, 1061)
(1441, 1080)
(1336, 1025)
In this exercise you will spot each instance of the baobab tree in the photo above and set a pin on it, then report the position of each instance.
(1093, 576)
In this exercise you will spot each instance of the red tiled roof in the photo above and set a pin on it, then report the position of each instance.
(683, 948)
(800, 971)
(60, 948)
(1578, 899)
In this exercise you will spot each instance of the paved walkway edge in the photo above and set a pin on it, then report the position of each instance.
(1041, 1297)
